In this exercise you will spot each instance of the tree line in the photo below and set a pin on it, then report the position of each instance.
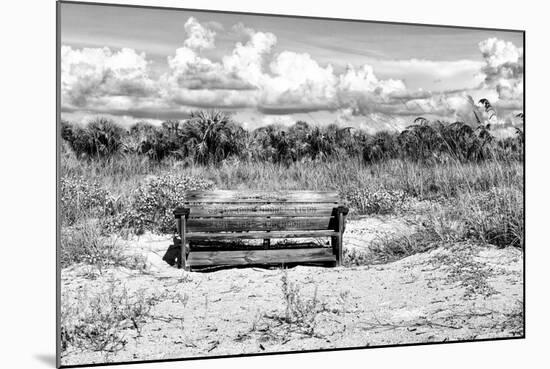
(209, 137)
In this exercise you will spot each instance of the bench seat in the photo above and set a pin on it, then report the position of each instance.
(261, 256)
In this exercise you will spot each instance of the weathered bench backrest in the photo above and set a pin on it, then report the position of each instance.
(232, 211)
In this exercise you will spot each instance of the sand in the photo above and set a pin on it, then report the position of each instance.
(454, 292)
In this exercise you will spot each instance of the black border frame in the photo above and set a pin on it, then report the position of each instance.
(58, 188)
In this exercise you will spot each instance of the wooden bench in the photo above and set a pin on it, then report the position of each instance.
(209, 217)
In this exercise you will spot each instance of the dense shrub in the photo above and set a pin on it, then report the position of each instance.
(153, 203)
(99, 138)
(382, 145)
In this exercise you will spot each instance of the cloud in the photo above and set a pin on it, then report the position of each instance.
(295, 79)
(126, 116)
(281, 84)
(291, 109)
(433, 74)
(360, 90)
(91, 74)
(285, 83)
(282, 120)
(198, 36)
(220, 99)
(503, 68)
(196, 80)
(246, 60)
(189, 70)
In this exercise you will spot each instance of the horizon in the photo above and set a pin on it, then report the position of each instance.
(117, 63)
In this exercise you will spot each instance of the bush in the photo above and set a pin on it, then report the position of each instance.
(366, 201)
(495, 217)
(387, 249)
(99, 138)
(82, 199)
(153, 203)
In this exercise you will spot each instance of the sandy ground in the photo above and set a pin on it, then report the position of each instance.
(455, 292)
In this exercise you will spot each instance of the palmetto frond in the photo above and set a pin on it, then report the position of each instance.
(488, 108)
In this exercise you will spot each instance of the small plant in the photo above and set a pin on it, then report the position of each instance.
(462, 269)
(301, 314)
(85, 244)
(83, 199)
(495, 217)
(356, 257)
(367, 201)
(300, 311)
(387, 249)
(515, 320)
(102, 321)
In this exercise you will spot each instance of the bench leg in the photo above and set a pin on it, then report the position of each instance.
(338, 241)
(336, 247)
(183, 232)
(340, 257)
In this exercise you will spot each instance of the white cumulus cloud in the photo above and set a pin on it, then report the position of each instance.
(297, 81)
(255, 76)
(89, 74)
(503, 68)
(198, 36)
(246, 60)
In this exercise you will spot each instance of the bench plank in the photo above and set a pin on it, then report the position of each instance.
(262, 196)
(259, 224)
(260, 235)
(242, 257)
(255, 210)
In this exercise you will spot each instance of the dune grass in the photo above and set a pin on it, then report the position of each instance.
(485, 198)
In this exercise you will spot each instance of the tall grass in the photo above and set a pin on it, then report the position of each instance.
(85, 243)
(485, 197)
(415, 178)
(483, 200)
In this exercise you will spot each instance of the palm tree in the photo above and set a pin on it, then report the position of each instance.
(67, 130)
(421, 140)
(382, 145)
(211, 136)
(102, 137)
(298, 136)
(171, 127)
(459, 137)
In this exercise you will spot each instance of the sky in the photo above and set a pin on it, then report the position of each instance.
(136, 64)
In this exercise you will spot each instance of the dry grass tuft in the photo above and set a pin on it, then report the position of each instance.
(104, 320)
